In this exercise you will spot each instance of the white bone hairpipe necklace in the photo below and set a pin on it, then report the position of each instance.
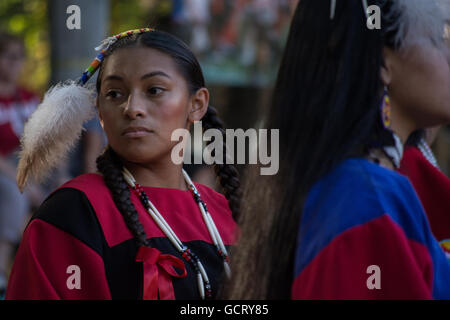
(204, 285)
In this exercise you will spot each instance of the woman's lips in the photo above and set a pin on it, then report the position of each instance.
(136, 132)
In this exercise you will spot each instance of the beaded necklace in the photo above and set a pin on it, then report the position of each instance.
(203, 282)
(427, 153)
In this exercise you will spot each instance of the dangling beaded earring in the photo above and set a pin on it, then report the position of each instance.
(386, 110)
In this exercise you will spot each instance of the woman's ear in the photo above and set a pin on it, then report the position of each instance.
(386, 68)
(199, 105)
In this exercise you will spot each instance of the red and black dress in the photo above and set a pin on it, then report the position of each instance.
(79, 229)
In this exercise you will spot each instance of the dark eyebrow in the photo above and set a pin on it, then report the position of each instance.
(154, 74)
(145, 76)
(113, 77)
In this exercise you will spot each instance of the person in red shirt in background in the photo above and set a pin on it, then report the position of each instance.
(431, 184)
(16, 105)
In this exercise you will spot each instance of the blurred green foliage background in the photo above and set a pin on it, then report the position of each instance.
(30, 20)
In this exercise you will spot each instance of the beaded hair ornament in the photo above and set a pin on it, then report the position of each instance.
(57, 123)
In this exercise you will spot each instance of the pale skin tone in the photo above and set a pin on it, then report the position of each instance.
(143, 88)
(418, 81)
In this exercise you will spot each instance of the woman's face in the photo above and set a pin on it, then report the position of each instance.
(419, 85)
(11, 62)
(143, 98)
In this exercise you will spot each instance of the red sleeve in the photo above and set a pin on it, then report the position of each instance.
(340, 270)
(42, 269)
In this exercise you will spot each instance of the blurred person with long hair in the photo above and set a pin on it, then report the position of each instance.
(338, 222)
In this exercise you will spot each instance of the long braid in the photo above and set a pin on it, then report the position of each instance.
(109, 166)
(227, 173)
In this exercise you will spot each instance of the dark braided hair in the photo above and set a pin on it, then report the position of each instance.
(110, 167)
(227, 174)
(109, 163)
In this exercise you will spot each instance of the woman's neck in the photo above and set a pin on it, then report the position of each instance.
(402, 124)
(161, 175)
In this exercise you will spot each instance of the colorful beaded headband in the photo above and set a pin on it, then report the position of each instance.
(103, 47)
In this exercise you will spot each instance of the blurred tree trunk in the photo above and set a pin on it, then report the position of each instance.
(73, 50)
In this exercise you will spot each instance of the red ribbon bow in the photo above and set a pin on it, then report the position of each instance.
(158, 270)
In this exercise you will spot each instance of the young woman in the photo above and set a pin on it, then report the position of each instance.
(338, 222)
(140, 229)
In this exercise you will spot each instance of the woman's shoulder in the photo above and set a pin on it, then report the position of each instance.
(360, 195)
(359, 191)
(69, 210)
(76, 194)
(86, 183)
(94, 188)
(70, 199)
(362, 178)
(370, 174)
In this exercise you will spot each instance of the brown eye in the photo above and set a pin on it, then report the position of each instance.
(113, 94)
(155, 91)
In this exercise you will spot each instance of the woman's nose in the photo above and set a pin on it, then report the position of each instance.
(135, 107)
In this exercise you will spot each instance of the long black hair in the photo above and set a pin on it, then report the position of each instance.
(326, 104)
(109, 163)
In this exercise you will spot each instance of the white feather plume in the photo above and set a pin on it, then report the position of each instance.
(421, 21)
(106, 43)
(53, 129)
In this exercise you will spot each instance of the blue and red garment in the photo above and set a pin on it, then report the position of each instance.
(362, 215)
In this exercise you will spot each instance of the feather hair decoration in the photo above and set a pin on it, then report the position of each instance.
(420, 22)
(53, 129)
(56, 125)
(414, 21)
